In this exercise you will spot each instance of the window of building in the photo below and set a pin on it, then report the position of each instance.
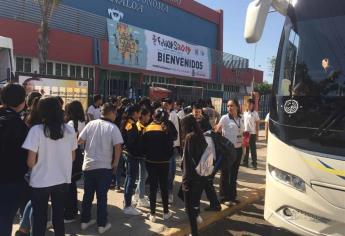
(50, 66)
(86, 72)
(58, 69)
(72, 71)
(78, 71)
(19, 64)
(91, 73)
(64, 70)
(27, 65)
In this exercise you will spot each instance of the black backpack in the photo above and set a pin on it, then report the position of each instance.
(225, 151)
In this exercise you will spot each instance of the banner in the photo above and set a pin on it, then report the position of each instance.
(143, 49)
(68, 90)
(217, 103)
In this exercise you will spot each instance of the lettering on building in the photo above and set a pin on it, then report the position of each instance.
(139, 5)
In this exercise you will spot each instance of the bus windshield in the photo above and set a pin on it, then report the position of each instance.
(308, 105)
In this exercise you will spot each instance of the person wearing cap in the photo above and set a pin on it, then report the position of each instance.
(103, 146)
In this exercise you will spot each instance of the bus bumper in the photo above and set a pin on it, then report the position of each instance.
(304, 214)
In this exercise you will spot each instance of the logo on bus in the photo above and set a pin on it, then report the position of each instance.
(291, 106)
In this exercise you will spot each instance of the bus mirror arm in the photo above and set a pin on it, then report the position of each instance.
(257, 14)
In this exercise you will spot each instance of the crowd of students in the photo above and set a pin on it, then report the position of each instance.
(47, 147)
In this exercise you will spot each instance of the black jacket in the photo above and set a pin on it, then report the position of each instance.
(157, 144)
(194, 147)
(132, 141)
(13, 132)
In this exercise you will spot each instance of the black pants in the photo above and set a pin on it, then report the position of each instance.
(158, 173)
(228, 178)
(71, 205)
(210, 191)
(252, 147)
(9, 203)
(39, 199)
(192, 203)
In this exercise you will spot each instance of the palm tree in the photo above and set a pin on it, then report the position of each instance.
(47, 8)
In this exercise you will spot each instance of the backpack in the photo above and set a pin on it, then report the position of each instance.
(225, 151)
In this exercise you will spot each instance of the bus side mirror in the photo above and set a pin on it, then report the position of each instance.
(255, 20)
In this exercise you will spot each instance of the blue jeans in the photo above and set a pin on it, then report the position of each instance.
(140, 190)
(118, 174)
(172, 171)
(96, 181)
(131, 176)
(9, 202)
(39, 199)
(26, 221)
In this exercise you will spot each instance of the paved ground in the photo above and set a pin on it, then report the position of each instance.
(248, 222)
(251, 187)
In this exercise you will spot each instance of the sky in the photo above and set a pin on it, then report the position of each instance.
(234, 43)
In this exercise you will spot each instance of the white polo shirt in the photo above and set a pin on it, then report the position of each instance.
(232, 129)
(100, 138)
(95, 112)
(54, 157)
(250, 119)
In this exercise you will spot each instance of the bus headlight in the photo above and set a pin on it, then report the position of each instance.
(287, 178)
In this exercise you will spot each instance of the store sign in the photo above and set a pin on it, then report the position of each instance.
(68, 90)
(139, 5)
(138, 48)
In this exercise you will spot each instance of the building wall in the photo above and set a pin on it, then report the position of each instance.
(176, 21)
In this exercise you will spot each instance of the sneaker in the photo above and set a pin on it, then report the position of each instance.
(152, 218)
(49, 225)
(199, 219)
(69, 221)
(102, 229)
(228, 203)
(245, 164)
(171, 198)
(167, 216)
(19, 233)
(135, 197)
(131, 211)
(118, 189)
(142, 202)
(84, 226)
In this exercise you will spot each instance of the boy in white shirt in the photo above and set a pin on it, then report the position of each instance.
(251, 125)
(103, 143)
(94, 111)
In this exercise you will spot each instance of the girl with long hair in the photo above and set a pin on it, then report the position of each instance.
(192, 183)
(74, 117)
(51, 150)
(231, 126)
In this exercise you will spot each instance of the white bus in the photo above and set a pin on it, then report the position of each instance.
(305, 177)
(7, 70)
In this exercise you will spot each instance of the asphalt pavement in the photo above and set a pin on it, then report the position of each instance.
(247, 222)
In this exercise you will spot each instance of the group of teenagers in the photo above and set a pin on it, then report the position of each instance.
(47, 147)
